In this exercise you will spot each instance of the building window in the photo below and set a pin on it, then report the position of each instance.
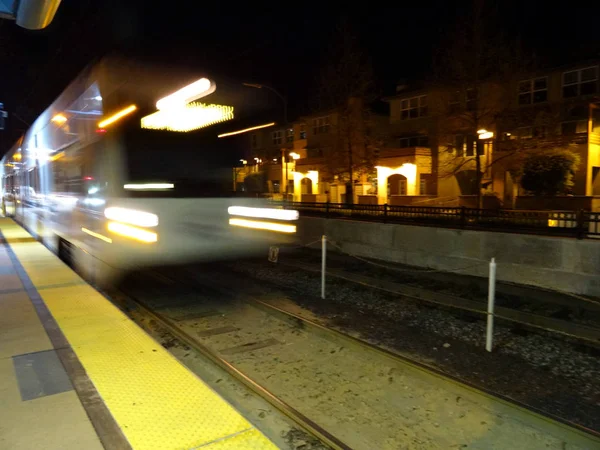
(422, 185)
(580, 82)
(302, 134)
(414, 107)
(414, 141)
(321, 125)
(465, 145)
(471, 97)
(574, 127)
(254, 140)
(277, 137)
(454, 102)
(533, 91)
(289, 135)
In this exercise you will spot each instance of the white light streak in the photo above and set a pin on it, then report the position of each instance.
(97, 235)
(260, 225)
(183, 96)
(263, 213)
(245, 130)
(146, 186)
(139, 218)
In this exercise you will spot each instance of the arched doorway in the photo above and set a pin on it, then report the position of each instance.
(306, 186)
(397, 184)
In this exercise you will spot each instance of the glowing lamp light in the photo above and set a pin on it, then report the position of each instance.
(132, 232)
(486, 135)
(117, 116)
(262, 225)
(294, 155)
(263, 213)
(188, 117)
(132, 216)
(183, 96)
(59, 119)
(245, 130)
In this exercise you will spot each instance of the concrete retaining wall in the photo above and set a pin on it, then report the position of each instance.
(556, 263)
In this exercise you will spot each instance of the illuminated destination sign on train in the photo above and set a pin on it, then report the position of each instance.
(188, 117)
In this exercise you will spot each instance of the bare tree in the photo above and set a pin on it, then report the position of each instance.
(346, 86)
(473, 74)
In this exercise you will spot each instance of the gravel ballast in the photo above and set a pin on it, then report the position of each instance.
(545, 372)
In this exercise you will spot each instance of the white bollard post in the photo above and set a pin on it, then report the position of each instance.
(490, 312)
(323, 264)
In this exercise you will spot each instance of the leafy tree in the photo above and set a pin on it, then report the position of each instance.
(549, 173)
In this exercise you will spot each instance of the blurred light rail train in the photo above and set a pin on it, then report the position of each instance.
(125, 170)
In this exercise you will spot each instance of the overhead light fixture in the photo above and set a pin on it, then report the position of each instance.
(117, 116)
(183, 96)
(294, 155)
(481, 131)
(59, 119)
(188, 117)
(486, 135)
(245, 130)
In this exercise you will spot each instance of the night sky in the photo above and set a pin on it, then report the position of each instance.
(284, 46)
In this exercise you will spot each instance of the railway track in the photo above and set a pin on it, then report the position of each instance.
(347, 392)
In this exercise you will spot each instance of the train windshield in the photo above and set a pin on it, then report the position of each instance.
(193, 163)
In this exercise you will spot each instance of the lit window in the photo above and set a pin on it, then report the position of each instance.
(580, 82)
(277, 137)
(412, 108)
(289, 135)
(465, 145)
(533, 91)
(422, 185)
(321, 125)
(302, 134)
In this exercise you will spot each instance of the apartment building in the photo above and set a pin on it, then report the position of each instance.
(427, 154)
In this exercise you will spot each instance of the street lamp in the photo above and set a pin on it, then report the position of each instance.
(283, 99)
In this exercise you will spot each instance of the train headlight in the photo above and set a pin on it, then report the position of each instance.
(131, 216)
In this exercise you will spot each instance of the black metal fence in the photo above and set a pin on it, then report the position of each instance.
(579, 224)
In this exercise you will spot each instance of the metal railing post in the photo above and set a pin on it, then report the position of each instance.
(463, 217)
(385, 212)
(323, 264)
(327, 210)
(489, 335)
(581, 232)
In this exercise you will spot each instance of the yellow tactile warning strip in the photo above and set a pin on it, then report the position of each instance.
(156, 401)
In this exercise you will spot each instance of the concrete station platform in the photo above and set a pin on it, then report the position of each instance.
(75, 372)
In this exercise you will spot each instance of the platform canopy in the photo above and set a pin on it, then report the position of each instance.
(30, 14)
